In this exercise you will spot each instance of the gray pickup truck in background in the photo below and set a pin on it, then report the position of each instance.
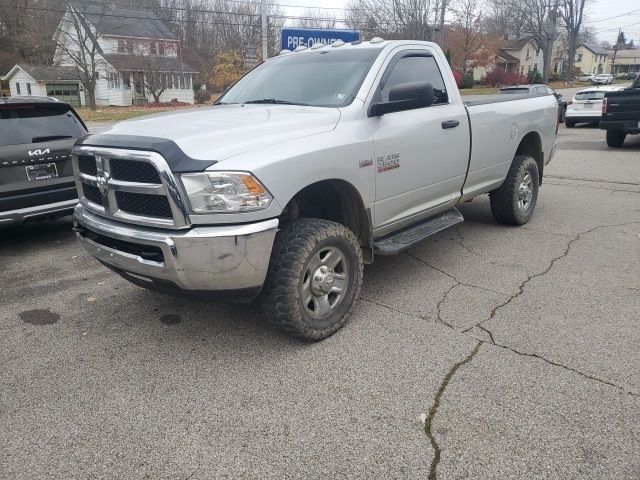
(309, 166)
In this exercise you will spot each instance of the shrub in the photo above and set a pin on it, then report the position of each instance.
(467, 81)
(458, 76)
(499, 77)
(201, 96)
(534, 76)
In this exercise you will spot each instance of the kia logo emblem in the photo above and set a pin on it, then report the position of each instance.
(102, 179)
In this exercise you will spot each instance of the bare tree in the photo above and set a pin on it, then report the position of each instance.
(77, 41)
(541, 23)
(410, 19)
(572, 13)
(504, 18)
(316, 18)
(468, 42)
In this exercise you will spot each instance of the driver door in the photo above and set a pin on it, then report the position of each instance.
(421, 154)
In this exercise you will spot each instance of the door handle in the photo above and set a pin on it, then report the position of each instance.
(450, 124)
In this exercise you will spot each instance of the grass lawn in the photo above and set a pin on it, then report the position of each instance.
(108, 114)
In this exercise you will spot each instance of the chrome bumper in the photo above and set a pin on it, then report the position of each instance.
(212, 259)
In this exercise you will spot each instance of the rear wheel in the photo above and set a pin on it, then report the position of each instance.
(513, 203)
(615, 138)
(563, 114)
(314, 278)
(569, 123)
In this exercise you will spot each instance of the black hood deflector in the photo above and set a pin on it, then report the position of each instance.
(179, 162)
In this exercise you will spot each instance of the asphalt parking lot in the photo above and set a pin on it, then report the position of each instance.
(487, 352)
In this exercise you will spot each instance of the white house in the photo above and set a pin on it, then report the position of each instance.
(43, 81)
(134, 54)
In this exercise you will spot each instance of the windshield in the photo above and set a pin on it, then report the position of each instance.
(324, 78)
(590, 95)
(25, 123)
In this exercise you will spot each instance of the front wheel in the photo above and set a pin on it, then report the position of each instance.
(314, 278)
(513, 203)
(615, 138)
(563, 114)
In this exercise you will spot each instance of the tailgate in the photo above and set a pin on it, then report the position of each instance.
(622, 106)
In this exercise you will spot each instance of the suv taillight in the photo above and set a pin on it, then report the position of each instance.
(604, 105)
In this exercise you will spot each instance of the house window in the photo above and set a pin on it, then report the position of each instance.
(152, 48)
(120, 46)
(579, 57)
(535, 66)
(176, 81)
(126, 80)
(161, 48)
(170, 81)
(528, 57)
(28, 88)
(188, 81)
(181, 82)
(129, 46)
(18, 88)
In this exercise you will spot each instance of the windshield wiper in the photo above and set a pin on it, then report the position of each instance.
(275, 100)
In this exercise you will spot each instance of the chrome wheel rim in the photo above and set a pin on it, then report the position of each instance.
(325, 282)
(525, 192)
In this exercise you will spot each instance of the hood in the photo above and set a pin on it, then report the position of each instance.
(223, 131)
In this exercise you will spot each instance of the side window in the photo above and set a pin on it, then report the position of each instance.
(416, 69)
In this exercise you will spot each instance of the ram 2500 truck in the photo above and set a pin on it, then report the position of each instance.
(309, 166)
(621, 114)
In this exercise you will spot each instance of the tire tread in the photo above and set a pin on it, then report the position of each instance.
(293, 244)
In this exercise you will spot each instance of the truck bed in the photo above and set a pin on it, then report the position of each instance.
(473, 100)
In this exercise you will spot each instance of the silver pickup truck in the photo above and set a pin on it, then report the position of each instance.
(309, 166)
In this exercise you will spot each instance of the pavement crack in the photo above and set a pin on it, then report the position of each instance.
(564, 254)
(591, 187)
(451, 276)
(560, 365)
(428, 424)
(595, 180)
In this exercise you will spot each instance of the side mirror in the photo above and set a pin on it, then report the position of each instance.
(405, 96)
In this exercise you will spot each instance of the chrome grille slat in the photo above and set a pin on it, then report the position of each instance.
(155, 200)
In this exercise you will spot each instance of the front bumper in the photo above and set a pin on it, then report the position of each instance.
(222, 259)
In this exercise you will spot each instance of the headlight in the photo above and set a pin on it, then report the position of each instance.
(225, 192)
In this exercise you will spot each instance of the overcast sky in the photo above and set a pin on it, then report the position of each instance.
(599, 15)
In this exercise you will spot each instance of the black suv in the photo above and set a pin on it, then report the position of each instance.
(36, 178)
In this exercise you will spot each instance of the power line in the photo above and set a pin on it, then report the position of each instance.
(616, 16)
(209, 22)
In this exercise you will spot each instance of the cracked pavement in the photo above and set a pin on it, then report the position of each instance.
(486, 352)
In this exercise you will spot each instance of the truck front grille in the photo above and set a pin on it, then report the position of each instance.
(92, 193)
(131, 171)
(143, 204)
(87, 164)
(130, 186)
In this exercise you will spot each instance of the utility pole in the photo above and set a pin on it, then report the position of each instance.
(615, 52)
(263, 11)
